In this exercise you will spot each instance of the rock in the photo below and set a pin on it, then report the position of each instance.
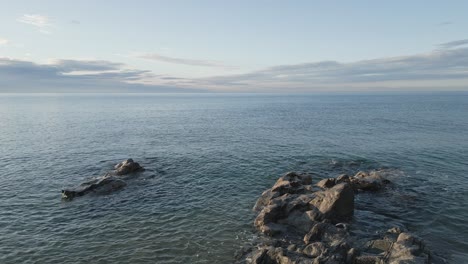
(269, 255)
(103, 185)
(293, 211)
(342, 226)
(315, 249)
(260, 257)
(372, 181)
(351, 255)
(394, 230)
(342, 178)
(291, 183)
(286, 200)
(108, 183)
(326, 183)
(367, 259)
(335, 203)
(378, 246)
(315, 234)
(126, 167)
(292, 247)
(297, 202)
(408, 249)
(301, 222)
(269, 214)
(266, 197)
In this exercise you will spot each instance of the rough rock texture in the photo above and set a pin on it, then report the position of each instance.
(372, 181)
(102, 185)
(106, 184)
(126, 167)
(291, 203)
(362, 181)
(302, 223)
(335, 203)
(407, 249)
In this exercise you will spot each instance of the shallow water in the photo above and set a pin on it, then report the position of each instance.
(208, 158)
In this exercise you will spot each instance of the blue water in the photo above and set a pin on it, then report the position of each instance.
(208, 158)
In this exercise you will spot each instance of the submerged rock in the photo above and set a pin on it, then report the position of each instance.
(372, 181)
(106, 184)
(303, 224)
(101, 185)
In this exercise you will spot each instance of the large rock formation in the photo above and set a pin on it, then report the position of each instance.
(305, 223)
(110, 182)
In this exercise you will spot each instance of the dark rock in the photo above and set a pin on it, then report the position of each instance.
(372, 181)
(106, 184)
(315, 234)
(342, 178)
(126, 167)
(266, 197)
(103, 185)
(367, 259)
(260, 257)
(292, 247)
(269, 214)
(351, 255)
(380, 245)
(315, 249)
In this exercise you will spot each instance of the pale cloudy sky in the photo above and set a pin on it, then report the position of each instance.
(234, 46)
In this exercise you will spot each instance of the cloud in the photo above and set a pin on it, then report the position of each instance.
(4, 41)
(190, 62)
(454, 44)
(445, 23)
(86, 65)
(41, 22)
(430, 69)
(75, 76)
(445, 68)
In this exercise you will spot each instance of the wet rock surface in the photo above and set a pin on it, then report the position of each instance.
(108, 183)
(302, 222)
(126, 167)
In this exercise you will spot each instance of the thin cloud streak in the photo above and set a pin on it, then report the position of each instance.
(450, 63)
(75, 76)
(445, 23)
(4, 41)
(454, 44)
(190, 62)
(41, 22)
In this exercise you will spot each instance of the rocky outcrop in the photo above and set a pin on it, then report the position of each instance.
(304, 223)
(110, 182)
(126, 167)
(101, 185)
(362, 181)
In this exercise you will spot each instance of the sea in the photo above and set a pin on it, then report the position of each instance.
(208, 157)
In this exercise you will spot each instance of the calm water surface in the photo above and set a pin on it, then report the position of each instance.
(208, 158)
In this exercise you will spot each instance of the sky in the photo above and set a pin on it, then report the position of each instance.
(233, 46)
